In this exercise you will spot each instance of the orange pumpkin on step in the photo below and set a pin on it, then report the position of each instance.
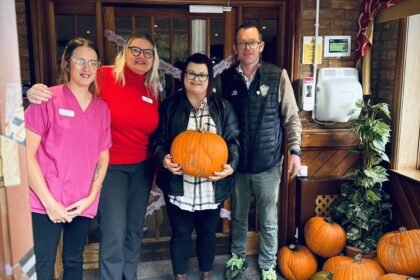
(324, 237)
(296, 262)
(393, 276)
(358, 269)
(334, 263)
(199, 153)
(399, 252)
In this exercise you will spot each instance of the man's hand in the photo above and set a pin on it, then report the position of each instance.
(38, 94)
(294, 165)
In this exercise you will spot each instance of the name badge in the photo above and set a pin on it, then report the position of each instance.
(66, 113)
(147, 99)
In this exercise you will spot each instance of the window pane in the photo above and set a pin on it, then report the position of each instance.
(217, 40)
(123, 26)
(269, 32)
(163, 38)
(180, 40)
(86, 27)
(65, 32)
(143, 25)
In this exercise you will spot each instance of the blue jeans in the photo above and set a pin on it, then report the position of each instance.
(46, 237)
(122, 207)
(265, 187)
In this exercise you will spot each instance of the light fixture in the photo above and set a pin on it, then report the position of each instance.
(209, 9)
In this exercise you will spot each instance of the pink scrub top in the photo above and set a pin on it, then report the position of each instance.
(71, 141)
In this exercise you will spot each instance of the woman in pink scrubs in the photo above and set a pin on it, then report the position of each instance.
(67, 143)
(130, 88)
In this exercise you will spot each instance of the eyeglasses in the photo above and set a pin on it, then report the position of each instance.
(80, 62)
(251, 45)
(202, 77)
(136, 51)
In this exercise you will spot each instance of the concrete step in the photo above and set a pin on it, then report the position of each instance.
(162, 270)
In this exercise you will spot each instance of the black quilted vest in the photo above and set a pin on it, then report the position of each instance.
(259, 117)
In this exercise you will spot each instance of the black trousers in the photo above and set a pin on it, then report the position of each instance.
(122, 207)
(182, 223)
(46, 237)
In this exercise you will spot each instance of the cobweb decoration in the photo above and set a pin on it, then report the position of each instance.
(166, 67)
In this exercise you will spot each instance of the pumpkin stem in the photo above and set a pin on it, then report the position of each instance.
(329, 220)
(293, 248)
(402, 229)
(358, 259)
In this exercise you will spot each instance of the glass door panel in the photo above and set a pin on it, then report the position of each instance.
(64, 29)
(143, 25)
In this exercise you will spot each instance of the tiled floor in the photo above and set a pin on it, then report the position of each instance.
(162, 270)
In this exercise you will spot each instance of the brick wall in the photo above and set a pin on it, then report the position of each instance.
(336, 17)
(23, 40)
(384, 60)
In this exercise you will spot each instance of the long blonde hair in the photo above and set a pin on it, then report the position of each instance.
(65, 61)
(152, 76)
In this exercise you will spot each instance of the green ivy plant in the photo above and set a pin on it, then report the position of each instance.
(363, 208)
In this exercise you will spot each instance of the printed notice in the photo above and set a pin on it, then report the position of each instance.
(10, 162)
(309, 51)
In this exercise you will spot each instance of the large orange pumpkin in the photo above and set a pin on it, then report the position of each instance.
(324, 237)
(296, 262)
(399, 252)
(199, 153)
(359, 269)
(393, 276)
(334, 263)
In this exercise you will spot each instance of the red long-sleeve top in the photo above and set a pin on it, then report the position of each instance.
(134, 115)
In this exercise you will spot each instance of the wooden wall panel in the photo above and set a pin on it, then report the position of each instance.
(405, 195)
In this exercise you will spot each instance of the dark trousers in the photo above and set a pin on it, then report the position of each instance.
(122, 207)
(46, 237)
(182, 224)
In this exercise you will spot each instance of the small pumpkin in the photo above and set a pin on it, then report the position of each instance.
(199, 153)
(296, 262)
(334, 263)
(399, 252)
(322, 275)
(324, 237)
(359, 269)
(393, 276)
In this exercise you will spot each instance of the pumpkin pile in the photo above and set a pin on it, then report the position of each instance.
(199, 153)
(398, 254)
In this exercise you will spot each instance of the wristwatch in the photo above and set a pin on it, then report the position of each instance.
(296, 152)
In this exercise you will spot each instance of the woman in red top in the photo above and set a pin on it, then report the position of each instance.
(130, 88)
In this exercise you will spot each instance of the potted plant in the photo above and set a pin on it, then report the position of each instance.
(363, 208)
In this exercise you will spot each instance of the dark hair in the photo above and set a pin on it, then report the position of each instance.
(199, 58)
(65, 60)
(247, 25)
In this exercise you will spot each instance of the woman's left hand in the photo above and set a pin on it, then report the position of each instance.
(227, 170)
(77, 208)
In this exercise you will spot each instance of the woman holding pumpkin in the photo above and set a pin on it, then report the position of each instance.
(194, 202)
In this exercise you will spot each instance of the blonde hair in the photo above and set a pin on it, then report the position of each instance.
(152, 76)
(65, 61)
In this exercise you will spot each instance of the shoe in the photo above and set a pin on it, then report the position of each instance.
(205, 275)
(269, 274)
(181, 277)
(234, 267)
